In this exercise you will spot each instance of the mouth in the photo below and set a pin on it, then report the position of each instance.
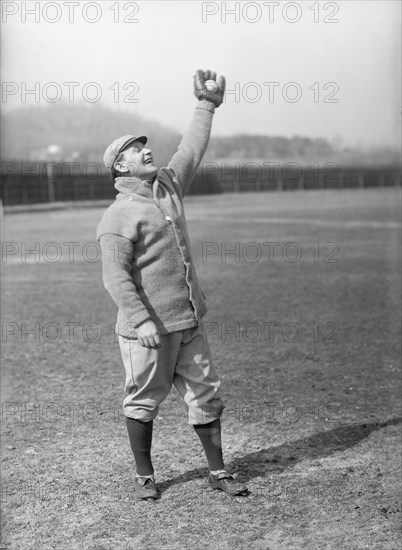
(149, 160)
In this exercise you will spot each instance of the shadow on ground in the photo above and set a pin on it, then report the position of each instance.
(278, 459)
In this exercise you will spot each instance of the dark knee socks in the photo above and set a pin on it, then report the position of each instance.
(210, 437)
(140, 435)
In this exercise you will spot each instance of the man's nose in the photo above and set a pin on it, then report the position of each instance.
(146, 151)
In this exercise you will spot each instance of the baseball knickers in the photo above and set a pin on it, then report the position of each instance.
(184, 359)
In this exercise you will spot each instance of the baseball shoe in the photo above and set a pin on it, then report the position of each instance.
(225, 482)
(147, 490)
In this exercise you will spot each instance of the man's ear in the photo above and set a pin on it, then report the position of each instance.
(121, 167)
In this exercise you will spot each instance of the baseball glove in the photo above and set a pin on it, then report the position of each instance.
(200, 90)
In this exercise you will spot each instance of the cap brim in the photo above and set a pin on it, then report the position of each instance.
(142, 139)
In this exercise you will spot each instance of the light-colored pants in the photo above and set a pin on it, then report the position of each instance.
(184, 359)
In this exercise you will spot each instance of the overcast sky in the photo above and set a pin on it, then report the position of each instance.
(359, 54)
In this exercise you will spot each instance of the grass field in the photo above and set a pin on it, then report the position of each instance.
(306, 336)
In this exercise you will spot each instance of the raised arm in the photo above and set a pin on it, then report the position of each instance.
(186, 160)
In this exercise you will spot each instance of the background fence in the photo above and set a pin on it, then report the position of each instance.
(291, 176)
(33, 183)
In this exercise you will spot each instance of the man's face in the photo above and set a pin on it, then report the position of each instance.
(137, 161)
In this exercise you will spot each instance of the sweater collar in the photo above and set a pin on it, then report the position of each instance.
(129, 185)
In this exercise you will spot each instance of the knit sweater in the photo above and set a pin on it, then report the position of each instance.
(147, 265)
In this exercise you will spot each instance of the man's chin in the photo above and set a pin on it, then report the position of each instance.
(151, 171)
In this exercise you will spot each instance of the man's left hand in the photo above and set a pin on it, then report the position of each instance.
(201, 91)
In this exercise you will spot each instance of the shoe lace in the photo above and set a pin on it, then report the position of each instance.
(149, 483)
(228, 478)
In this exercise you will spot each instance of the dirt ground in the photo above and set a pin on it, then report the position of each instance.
(308, 349)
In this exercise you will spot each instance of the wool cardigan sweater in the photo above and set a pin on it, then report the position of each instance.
(147, 265)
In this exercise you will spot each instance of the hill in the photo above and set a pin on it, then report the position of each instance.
(83, 131)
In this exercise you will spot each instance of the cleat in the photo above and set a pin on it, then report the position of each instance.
(147, 491)
(225, 482)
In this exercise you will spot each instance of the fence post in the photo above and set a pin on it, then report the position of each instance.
(50, 181)
(74, 184)
(360, 180)
(24, 191)
(91, 190)
(320, 179)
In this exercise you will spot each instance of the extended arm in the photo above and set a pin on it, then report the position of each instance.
(193, 145)
(195, 141)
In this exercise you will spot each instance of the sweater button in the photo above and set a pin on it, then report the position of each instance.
(168, 218)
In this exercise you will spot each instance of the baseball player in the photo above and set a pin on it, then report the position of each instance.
(149, 272)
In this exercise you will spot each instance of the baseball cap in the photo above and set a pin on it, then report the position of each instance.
(115, 148)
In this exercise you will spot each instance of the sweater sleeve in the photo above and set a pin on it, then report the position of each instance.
(192, 147)
(117, 254)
